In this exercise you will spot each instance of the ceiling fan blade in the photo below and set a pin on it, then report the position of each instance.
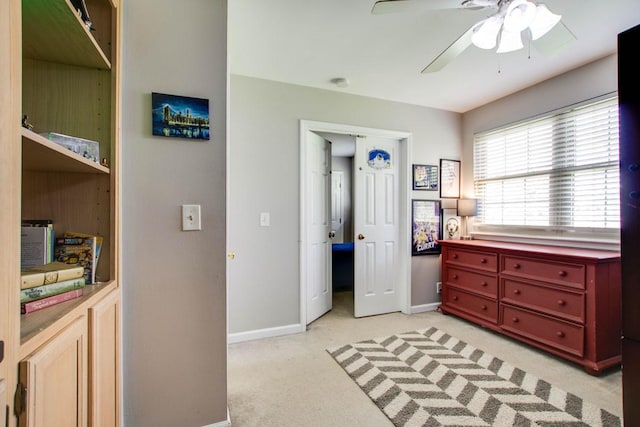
(395, 6)
(555, 40)
(450, 53)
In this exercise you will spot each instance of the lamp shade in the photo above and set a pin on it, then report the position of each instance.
(485, 33)
(467, 207)
(509, 41)
(543, 22)
(449, 203)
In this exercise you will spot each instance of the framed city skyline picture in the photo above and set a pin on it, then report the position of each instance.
(180, 116)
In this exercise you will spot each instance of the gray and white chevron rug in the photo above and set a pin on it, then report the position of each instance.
(429, 378)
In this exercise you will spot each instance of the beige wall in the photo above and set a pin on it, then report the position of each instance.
(264, 156)
(174, 304)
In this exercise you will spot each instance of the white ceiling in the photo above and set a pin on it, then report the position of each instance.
(310, 42)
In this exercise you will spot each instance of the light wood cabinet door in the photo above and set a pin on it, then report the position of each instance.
(104, 368)
(54, 380)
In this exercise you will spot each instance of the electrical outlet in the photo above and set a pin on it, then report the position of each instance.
(439, 287)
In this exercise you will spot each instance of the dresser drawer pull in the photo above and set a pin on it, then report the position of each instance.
(483, 307)
(515, 320)
(455, 256)
(455, 298)
(560, 334)
(562, 302)
(484, 284)
(455, 277)
(483, 261)
(516, 291)
(562, 273)
(516, 266)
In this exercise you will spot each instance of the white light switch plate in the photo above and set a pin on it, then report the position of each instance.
(191, 217)
(265, 219)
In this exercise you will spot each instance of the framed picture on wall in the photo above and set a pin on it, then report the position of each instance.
(449, 178)
(451, 224)
(425, 177)
(426, 220)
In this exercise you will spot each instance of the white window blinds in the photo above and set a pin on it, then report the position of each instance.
(558, 171)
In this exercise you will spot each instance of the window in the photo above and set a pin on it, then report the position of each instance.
(559, 172)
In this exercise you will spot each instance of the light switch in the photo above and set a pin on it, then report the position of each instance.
(191, 217)
(265, 220)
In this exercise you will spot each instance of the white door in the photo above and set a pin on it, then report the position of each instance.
(376, 226)
(337, 209)
(318, 273)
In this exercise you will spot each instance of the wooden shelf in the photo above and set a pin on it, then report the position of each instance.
(53, 31)
(38, 327)
(40, 154)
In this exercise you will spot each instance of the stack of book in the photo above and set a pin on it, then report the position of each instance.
(50, 284)
(80, 249)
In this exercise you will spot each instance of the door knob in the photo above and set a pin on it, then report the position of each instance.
(332, 234)
(360, 236)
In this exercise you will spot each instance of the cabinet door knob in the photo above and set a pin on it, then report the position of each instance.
(516, 266)
(562, 273)
(561, 302)
(560, 334)
(515, 320)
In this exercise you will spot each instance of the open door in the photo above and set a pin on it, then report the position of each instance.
(318, 186)
(377, 226)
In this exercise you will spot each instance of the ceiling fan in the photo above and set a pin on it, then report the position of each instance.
(504, 26)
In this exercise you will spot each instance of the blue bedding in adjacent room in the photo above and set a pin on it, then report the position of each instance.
(342, 266)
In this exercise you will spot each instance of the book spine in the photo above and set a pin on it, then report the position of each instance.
(44, 278)
(44, 291)
(29, 307)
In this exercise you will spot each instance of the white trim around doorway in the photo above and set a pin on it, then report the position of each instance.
(307, 126)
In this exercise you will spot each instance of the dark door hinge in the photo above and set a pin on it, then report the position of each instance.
(1, 351)
(20, 400)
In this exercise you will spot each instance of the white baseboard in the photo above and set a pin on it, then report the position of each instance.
(225, 423)
(265, 333)
(424, 307)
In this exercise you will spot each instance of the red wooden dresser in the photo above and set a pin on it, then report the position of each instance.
(563, 300)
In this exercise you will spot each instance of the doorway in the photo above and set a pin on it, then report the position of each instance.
(315, 216)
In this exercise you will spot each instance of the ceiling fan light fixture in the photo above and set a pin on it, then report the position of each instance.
(485, 33)
(509, 41)
(543, 21)
(520, 14)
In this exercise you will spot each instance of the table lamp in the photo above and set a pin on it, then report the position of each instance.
(467, 208)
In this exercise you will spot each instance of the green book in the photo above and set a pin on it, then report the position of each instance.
(43, 291)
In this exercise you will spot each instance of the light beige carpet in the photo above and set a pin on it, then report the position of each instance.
(430, 378)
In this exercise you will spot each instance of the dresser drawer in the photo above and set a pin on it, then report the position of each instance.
(478, 306)
(484, 284)
(552, 332)
(572, 275)
(486, 261)
(556, 302)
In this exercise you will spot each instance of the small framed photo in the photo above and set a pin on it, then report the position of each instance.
(449, 178)
(451, 224)
(180, 116)
(425, 177)
(426, 217)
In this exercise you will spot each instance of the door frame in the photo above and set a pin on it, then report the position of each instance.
(404, 255)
